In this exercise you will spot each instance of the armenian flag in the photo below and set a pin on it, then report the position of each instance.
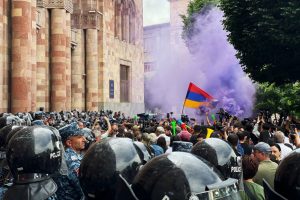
(196, 97)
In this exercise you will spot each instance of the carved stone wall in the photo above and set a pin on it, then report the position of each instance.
(41, 3)
(90, 20)
(116, 52)
(61, 4)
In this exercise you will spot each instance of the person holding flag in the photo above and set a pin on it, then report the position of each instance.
(196, 97)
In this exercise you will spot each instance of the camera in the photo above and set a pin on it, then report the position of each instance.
(223, 114)
(185, 118)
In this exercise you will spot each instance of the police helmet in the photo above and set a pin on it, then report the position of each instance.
(181, 176)
(34, 152)
(182, 146)
(221, 155)
(105, 165)
(142, 151)
(2, 121)
(287, 176)
(3, 134)
(14, 130)
(10, 120)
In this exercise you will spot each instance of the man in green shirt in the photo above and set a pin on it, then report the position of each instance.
(266, 168)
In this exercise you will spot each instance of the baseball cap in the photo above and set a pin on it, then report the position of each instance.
(262, 147)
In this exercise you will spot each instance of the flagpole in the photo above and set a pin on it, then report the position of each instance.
(185, 98)
(183, 107)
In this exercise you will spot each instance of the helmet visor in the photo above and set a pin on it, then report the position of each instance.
(227, 190)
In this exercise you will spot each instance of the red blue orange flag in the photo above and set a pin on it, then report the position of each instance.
(196, 97)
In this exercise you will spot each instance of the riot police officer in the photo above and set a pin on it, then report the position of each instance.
(220, 154)
(74, 142)
(33, 155)
(5, 176)
(181, 176)
(107, 165)
(112, 170)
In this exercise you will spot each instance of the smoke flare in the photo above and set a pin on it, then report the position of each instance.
(211, 65)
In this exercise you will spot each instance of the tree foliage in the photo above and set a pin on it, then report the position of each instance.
(284, 98)
(195, 8)
(266, 34)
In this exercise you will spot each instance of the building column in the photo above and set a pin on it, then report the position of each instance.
(101, 66)
(68, 61)
(21, 56)
(3, 66)
(42, 74)
(58, 64)
(7, 36)
(92, 70)
(33, 56)
(77, 91)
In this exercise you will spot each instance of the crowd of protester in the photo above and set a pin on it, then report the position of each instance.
(261, 142)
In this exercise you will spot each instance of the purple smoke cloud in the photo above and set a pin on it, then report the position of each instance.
(212, 66)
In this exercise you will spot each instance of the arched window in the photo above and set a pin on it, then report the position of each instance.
(125, 20)
(117, 17)
(132, 21)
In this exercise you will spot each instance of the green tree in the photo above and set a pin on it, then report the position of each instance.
(195, 8)
(284, 98)
(266, 35)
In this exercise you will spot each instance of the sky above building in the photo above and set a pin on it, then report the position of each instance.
(156, 12)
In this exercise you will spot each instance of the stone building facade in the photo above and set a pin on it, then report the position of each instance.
(71, 54)
(177, 8)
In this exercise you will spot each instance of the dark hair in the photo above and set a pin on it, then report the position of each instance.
(193, 139)
(201, 135)
(197, 129)
(276, 145)
(250, 167)
(266, 126)
(233, 139)
(128, 134)
(241, 135)
(174, 138)
(161, 141)
(168, 128)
